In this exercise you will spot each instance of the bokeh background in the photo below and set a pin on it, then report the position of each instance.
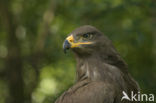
(33, 67)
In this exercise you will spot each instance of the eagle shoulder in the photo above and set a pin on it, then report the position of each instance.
(89, 92)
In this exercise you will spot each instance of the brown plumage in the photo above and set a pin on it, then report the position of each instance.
(102, 74)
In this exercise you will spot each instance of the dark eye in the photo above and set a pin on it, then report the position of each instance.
(86, 35)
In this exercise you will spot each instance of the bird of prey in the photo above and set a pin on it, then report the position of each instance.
(101, 74)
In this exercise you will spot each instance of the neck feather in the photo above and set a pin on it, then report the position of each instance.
(92, 68)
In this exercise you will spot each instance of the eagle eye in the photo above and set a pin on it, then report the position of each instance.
(87, 36)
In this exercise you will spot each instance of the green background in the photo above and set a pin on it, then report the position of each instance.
(33, 67)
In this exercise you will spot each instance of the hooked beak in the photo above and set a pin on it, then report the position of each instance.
(68, 43)
(66, 46)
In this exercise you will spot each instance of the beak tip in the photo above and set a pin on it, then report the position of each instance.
(66, 46)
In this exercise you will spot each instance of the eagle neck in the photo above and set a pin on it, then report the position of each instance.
(114, 59)
(87, 68)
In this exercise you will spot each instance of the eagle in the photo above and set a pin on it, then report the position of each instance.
(101, 74)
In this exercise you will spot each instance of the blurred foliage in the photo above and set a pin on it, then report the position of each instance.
(33, 67)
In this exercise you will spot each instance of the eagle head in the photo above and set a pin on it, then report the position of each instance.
(85, 40)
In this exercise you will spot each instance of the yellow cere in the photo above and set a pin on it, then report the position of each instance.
(73, 45)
